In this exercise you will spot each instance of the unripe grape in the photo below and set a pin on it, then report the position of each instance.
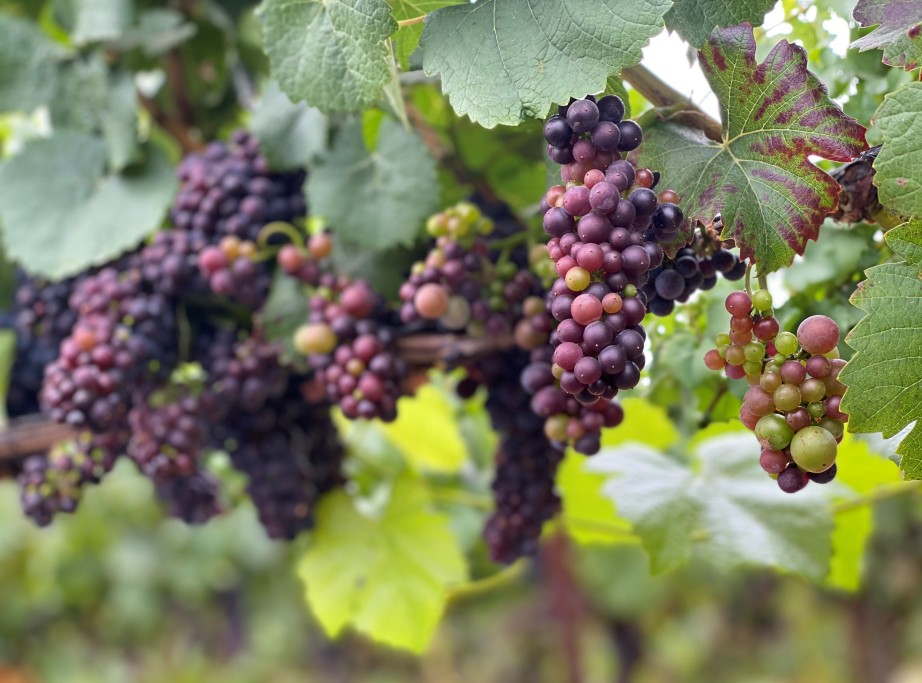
(713, 361)
(431, 301)
(577, 279)
(773, 432)
(761, 300)
(786, 343)
(813, 390)
(770, 381)
(814, 449)
(787, 397)
(314, 338)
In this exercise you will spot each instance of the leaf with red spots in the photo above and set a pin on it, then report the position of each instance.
(759, 178)
(898, 32)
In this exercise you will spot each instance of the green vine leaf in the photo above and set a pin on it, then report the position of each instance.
(884, 378)
(379, 198)
(723, 505)
(28, 69)
(406, 40)
(91, 99)
(759, 178)
(385, 576)
(694, 20)
(101, 20)
(503, 62)
(332, 53)
(290, 134)
(61, 212)
(897, 32)
(898, 125)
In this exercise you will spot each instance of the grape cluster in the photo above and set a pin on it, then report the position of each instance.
(228, 190)
(53, 482)
(166, 439)
(290, 451)
(232, 271)
(194, 499)
(603, 225)
(694, 267)
(304, 263)
(463, 284)
(41, 318)
(350, 343)
(526, 460)
(793, 400)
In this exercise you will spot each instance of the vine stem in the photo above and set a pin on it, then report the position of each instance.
(487, 584)
(410, 22)
(748, 279)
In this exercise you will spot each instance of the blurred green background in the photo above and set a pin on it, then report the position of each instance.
(120, 594)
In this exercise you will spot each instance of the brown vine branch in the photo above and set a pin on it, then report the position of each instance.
(31, 434)
(678, 107)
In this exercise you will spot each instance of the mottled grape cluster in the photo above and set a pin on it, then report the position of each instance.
(228, 190)
(793, 401)
(349, 340)
(232, 271)
(167, 438)
(465, 285)
(603, 225)
(53, 482)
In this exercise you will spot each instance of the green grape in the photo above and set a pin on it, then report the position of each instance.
(723, 339)
(773, 432)
(813, 390)
(816, 410)
(814, 449)
(770, 381)
(787, 397)
(629, 290)
(786, 343)
(735, 355)
(754, 351)
(761, 300)
(752, 367)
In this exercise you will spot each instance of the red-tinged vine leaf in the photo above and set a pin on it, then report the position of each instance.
(898, 32)
(759, 178)
(884, 377)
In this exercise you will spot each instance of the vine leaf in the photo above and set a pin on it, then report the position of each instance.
(332, 53)
(385, 576)
(898, 125)
(723, 505)
(61, 212)
(28, 69)
(290, 134)
(775, 114)
(376, 199)
(581, 489)
(101, 20)
(406, 40)
(898, 30)
(884, 378)
(503, 62)
(695, 19)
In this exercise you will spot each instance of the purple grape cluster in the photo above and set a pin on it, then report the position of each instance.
(526, 461)
(194, 499)
(694, 267)
(290, 451)
(228, 190)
